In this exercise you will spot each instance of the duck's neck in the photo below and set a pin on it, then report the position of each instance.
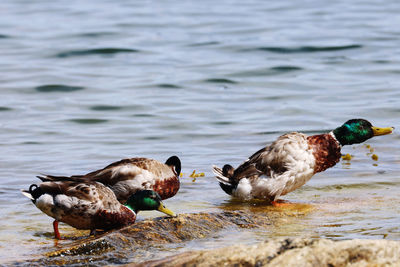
(332, 134)
(132, 207)
(326, 150)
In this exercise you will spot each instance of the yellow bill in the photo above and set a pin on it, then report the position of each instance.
(165, 210)
(382, 131)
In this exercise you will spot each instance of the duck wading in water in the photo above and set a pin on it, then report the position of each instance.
(90, 205)
(127, 176)
(290, 161)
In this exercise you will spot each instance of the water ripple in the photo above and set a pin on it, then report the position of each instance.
(286, 68)
(96, 51)
(105, 108)
(266, 71)
(143, 115)
(95, 34)
(204, 44)
(304, 49)
(48, 88)
(88, 121)
(220, 80)
(169, 86)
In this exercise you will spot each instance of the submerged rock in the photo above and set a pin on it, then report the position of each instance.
(292, 252)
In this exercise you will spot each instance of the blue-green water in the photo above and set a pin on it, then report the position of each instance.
(86, 83)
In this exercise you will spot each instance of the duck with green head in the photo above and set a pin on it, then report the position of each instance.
(90, 205)
(291, 160)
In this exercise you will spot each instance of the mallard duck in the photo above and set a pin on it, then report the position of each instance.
(290, 161)
(90, 205)
(127, 176)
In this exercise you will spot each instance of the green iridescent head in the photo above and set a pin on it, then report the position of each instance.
(356, 131)
(147, 200)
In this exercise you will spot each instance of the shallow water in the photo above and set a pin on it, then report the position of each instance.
(86, 84)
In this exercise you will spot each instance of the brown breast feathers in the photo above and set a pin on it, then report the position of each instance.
(167, 188)
(326, 151)
(106, 220)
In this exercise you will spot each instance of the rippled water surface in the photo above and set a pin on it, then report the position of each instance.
(86, 83)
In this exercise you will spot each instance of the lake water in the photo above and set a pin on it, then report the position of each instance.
(86, 83)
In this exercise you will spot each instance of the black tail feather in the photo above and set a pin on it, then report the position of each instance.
(227, 188)
(43, 178)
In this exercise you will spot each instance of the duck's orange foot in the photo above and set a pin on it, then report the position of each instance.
(280, 203)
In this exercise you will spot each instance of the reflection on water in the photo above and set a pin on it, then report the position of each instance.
(86, 85)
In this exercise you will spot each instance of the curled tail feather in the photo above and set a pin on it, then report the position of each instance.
(223, 177)
(32, 193)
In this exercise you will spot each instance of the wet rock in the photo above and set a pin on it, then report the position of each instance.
(135, 241)
(292, 252)
(162, 237)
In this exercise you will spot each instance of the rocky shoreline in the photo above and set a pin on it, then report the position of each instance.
(291, 252)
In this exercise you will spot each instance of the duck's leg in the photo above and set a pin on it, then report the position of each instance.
(93, 232)
(56, 232)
